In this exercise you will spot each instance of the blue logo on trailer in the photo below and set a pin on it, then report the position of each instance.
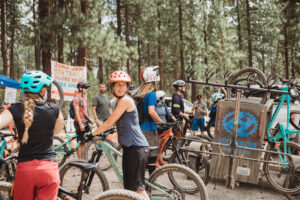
(247, 124)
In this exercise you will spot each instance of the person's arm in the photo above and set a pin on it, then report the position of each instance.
(204, 110)
(123, 105)
(5, 118)
(169, 114)
(95, 116)
(59, 124)
(154, 115)
(76, 112)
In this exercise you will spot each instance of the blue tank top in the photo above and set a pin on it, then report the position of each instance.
(129, 131)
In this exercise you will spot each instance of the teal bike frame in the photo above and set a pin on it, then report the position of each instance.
(284, 131)
(68, 143)
(110, 151)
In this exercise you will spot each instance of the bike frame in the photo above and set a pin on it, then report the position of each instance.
(284, 131)
(109, 151)
(68, 143)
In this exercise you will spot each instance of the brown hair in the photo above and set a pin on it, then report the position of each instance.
(29, 106)
(144, 89)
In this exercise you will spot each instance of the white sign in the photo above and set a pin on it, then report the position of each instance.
(243, 171)
(68, 77)
(10, 95)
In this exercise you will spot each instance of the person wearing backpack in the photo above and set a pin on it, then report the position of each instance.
(130, 136)
(37, 121)
(80, 116)
(145, 98)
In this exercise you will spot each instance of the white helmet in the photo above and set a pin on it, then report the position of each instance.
(216, 96)
(160, 95)
(149, 74)
(178, 83)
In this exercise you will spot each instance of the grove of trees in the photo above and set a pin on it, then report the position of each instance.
(105, 35)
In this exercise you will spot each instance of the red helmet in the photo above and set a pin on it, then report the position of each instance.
(149, 74)
(119, 76)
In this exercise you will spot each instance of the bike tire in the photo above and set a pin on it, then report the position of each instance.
(201, 166)
(209, 128)
(204, 147)
(240, 75)
(119, 194)
(5, 188)
(161, 177)
(104, 163)
(61, 159)
(275, 178)
(70, 177)
(61, 93)
(294, 196)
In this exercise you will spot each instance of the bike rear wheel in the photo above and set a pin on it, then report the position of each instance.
(61, 155)
(5, 189)
(119, 194)
(186, 181)
(70, 177)
(284, 179)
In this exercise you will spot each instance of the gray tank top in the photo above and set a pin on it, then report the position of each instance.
(129, 131)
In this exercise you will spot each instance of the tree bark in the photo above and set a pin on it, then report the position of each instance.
(12, 46)
(159, 47)
(4, 37)
(205, 40)
(239, 31)
(263, 61)
(119, 19)
(37, 40)
(60, 39)
(293, 66)
(127, 34)
(46, 37)
(139, 60)
(249, 35)
(100, 70)
(81, 60)
(182, 71)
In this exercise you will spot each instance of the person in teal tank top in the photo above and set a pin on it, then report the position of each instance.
(130, 135)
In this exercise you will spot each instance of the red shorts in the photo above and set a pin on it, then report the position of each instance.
(37, 179)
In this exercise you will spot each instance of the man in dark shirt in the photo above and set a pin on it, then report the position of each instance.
(177, 101)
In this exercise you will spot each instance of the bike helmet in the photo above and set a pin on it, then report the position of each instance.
(119, 76)
(178, 83)
(83, 85)
(160, 95)
(149, 74)
(34, 81)
(216, 96)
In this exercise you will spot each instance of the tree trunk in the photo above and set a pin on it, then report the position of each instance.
(81, 60)
(119, 19)
(205, 40)
(37, 40)
(100, 71)
(249, 34)
(46, 37)
(4, 37)
(239, 31)
(194, 86)
(263, 61)
(159, 47)
(293, 66)
(139, 60)
(182, 71)
(12, 44)
(127, 34)
(60, 39)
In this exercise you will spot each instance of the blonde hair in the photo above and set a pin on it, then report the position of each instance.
(144, 89)
(29, 106)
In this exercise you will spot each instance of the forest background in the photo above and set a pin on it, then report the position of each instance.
(106, 35)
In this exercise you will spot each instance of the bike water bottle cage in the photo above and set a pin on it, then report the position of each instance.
(34, 81)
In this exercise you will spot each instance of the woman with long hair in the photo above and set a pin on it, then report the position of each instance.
(37, 121)
(130, 136)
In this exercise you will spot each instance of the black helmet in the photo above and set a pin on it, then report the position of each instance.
(83, 85)
(178, 83)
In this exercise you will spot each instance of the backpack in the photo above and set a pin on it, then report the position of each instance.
(71, 109)
(139, 105)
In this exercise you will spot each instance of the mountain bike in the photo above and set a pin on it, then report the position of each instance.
(119, 194)
(64, 148)
(158, 185)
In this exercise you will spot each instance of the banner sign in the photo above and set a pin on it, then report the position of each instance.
(10, 95)
(68, 77)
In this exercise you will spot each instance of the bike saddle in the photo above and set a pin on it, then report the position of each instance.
(83, 165)
(65, 191)
(152, 148)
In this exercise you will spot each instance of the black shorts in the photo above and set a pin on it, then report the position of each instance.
(134, 165)
(80, 133)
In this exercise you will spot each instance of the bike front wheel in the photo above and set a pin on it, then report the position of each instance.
(186, 180)
(71, 178)
(119, 194)
(284, 178)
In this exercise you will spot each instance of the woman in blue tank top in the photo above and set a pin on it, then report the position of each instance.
(133, 141)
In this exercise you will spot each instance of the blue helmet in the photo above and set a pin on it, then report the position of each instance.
(34, 81)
